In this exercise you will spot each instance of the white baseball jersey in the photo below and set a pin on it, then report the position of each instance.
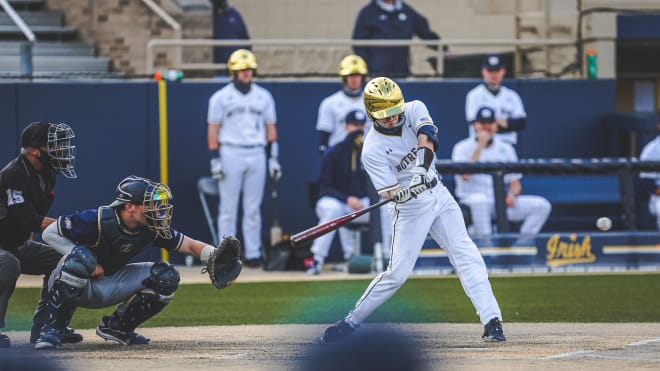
(498, 151)
(651, 152)
(388, 160)
(243, 116)
(333, 111)
(478, 193)
(506, 104)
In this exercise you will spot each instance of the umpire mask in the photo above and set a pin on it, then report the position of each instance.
(57, 138)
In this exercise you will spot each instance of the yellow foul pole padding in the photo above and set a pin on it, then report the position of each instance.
(162, 129)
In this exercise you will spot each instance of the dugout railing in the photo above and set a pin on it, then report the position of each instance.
(603, 186)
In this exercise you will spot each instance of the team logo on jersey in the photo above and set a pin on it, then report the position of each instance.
(126, 248)
(389, 150)
(408, 159)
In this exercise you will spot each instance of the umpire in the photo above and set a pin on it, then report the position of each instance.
(27, 190)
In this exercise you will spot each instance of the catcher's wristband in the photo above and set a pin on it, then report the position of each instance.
(206, 252)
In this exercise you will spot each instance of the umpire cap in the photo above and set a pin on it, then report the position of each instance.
(35, 135)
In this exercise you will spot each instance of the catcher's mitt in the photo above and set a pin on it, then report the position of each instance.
(224, 263)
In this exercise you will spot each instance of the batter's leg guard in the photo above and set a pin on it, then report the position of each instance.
(64, 295)
(159, 289)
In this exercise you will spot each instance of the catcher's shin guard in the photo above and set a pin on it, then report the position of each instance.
(64, 295)
(159, 290)
(62, 301)
(137, 309)
(164, 278)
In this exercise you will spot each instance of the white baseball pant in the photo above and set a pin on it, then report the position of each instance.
(654, 206)
(433, 212)
(532, 210)
(328, 208)
(245, 171)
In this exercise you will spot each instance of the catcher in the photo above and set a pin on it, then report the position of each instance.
(94, 271)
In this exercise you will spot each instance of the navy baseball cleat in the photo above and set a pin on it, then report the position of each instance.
(493, 331)
(48, 340)
(253, 263)
(315, 268)
(337, 332)
(124, 337)
(69, 336)
(4, 341)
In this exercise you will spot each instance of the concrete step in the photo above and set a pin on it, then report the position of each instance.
(57, 64)
(40, 18)
(50, 48)
(27, 4)
(12, 32)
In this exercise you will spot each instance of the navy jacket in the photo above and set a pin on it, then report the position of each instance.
(342, 174)
(226, 26)
(375, 23)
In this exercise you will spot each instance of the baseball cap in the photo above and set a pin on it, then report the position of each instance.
(493, 62)
(485, 114)
(35, 134)
(356, 117)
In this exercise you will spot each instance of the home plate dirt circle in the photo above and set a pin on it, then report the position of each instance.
(541, 346)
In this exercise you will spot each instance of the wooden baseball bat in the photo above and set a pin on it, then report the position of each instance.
(321, 229)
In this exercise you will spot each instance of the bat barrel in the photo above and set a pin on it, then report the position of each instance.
(321, 229)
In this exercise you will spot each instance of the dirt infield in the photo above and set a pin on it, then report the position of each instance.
(442, 347)
(548, 346)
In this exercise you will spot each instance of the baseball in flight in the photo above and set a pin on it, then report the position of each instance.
(604, 223)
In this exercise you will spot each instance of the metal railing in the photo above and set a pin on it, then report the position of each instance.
(26, 48)
(170, 21)
(626, 169)
(159, 43)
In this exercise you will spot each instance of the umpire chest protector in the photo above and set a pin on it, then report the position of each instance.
(116, 244)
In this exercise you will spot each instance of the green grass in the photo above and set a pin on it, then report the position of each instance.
(558, 298)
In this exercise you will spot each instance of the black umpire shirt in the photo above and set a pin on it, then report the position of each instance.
(26, 197)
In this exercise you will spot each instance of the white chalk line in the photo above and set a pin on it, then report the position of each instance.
(589, 352)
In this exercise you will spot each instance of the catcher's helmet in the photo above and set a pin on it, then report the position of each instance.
(156, 200)
(60, 153)
(352, 64)
(382, 98)
(241, 59)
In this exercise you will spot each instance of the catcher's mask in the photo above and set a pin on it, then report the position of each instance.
(241, 59)
(56, 138)
(156, 200)
(383, 98)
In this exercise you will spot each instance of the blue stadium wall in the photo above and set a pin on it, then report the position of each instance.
(116, 125)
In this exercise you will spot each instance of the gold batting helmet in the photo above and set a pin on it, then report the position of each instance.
(241, 59)
(382, 98)
(352, 64)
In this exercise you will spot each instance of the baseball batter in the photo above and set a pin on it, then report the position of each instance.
(509, 109)
(94, 271)
(241, 123)
(400, 160)
(651, 181)
(476, 190)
